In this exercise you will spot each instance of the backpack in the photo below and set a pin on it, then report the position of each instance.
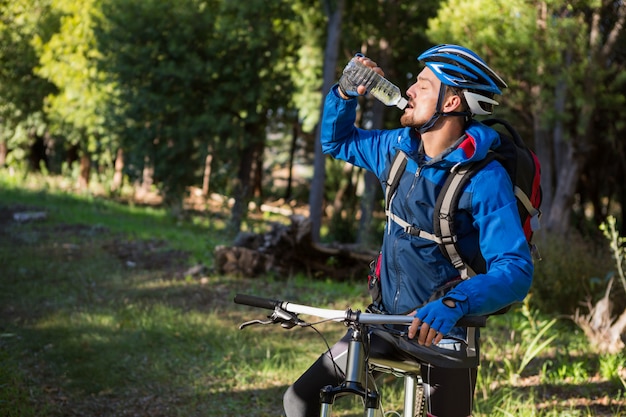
(520, 163)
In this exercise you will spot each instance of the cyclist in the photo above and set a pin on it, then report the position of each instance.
(438, 131)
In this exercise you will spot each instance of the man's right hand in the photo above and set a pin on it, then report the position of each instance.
(348, 90)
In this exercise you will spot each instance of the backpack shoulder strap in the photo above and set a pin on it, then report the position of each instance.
(529, 195)
(517, 139)
(445, 211)
(397, 168)
(398, 165)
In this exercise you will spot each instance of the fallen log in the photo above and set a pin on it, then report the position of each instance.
(286, 250)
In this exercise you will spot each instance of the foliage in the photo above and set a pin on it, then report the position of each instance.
(172, 81)
(604, 325)
(160, 116)
(68, 60)
(617, 246)
(533, 341)
(505, 34)
(568, 273)
(307, 71)
(207, 81)
(22, 91)
(557, 57)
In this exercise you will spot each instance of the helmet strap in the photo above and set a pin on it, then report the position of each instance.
(438, 113)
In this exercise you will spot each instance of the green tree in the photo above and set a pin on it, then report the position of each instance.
(22, 91)
(334, 13)
(69, 60)
(557, 57)
(192, 77)
(256, 60)
(155, 56)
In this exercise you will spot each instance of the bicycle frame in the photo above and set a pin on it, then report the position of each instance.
(357, 366)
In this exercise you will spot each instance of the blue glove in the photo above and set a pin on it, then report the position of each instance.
(347, 86)
(439, 316)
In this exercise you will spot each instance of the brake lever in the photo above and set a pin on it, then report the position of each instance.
(286, 319)
(251, 322)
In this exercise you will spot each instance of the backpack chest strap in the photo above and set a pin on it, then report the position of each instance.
(412, 230)
(445, 243)
(444, 234)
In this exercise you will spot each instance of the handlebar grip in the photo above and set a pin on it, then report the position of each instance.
(254, 301)
(472, 321)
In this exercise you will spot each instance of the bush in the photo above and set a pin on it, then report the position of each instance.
(571, 270)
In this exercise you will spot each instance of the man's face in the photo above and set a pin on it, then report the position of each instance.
(423, 96)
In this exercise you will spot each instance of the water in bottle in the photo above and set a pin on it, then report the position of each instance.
(378, 86)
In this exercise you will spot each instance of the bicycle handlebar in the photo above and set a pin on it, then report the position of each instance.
(254, 301)
(344, 315)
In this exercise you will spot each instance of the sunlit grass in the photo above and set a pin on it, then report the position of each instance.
(198, 235)
(83, 330)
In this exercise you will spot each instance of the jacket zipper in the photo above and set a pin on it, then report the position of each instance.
(398, 275)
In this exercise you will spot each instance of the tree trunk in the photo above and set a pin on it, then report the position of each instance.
(316, 197)
(147, 179)
(602, 330)
(37, 154)
(241, 190)
(545, 154)
(569, 156)
(243, 185)
(367, 227)
(257, 170)
(343, 197)
(558, 219)
(292, 152)
(286, 250)
(4, 151)
(206, 177)
(85, 170)
(366, 235)
(118, 176)
(621, 199)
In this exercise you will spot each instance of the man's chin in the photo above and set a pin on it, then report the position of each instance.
(406, 121)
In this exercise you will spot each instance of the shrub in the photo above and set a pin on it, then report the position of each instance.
(572, 269)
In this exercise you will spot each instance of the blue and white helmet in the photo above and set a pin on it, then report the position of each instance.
(459, 67)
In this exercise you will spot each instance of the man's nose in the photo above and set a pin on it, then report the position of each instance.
(409, 91)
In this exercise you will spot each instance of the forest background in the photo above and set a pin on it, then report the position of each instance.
(220, 95)
(223, 98)
(161, 99)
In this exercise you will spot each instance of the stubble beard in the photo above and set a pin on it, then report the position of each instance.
(407, 120)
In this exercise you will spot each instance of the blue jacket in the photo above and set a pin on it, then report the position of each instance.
(413, 268)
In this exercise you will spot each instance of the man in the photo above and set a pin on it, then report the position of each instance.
(438, 133)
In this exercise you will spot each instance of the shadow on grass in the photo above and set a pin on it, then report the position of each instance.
(95, 323)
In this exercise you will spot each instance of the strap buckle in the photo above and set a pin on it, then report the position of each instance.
(414, 231)
(448, 240)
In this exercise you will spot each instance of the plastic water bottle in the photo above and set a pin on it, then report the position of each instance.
(378, 86)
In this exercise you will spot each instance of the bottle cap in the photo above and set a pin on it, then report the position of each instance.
(402, 103)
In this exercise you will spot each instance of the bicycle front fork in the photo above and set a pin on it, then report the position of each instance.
(353, 383)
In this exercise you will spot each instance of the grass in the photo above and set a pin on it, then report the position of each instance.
(100, 316)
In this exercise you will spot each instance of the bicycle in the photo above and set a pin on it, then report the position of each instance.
(360, 364)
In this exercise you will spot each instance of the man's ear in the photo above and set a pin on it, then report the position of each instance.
(452, 103)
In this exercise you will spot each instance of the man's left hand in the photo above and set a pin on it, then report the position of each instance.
(436, 318)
